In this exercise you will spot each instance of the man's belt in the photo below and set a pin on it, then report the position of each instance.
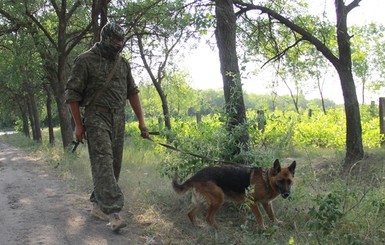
(103, 109)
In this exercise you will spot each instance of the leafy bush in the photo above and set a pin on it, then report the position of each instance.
(325, 131)
(325, 216)
(283, 131)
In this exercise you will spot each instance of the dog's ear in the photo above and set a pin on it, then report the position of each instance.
(277, 166)
(292, 167)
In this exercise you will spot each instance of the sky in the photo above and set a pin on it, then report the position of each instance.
(203, 63)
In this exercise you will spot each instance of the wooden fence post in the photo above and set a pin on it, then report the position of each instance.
(198, 116)
(373, 108)
(261, 120)
(310, 113)
(381, 115)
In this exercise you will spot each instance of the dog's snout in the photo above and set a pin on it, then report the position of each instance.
(285, 194)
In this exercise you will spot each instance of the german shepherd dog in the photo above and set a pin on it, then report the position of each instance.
(213, 184)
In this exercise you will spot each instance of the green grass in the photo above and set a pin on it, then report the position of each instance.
(329, 205)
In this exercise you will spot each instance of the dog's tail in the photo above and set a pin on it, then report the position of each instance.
(180, 188)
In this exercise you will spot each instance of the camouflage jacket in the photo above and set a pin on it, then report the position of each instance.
(89, 73)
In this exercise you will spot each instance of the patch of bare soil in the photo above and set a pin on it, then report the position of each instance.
(38, 208)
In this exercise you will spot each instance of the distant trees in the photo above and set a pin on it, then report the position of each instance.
(368, 54)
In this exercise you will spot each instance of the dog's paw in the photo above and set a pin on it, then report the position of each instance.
(262, 226)
(278, 222)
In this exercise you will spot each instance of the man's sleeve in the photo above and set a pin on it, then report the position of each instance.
(131, 86)
(76, 82)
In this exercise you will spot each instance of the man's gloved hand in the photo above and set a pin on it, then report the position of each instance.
(144, 132)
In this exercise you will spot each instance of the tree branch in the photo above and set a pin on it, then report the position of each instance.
(78, 38)
(294, 27)
(41, 27)
(55, 7)
(352, 5)
(72, 10)
(280, 54)
(145, 10)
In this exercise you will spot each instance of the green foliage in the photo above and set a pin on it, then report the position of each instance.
(208, 139)
(348, 208)
(322, 130)
(288, 129)
(210, 101)
(325, 216)
(367, 56)
(284, 132)
(378, 203)
(370, 133)
(180, 93)
(132, 128)
(205, 139)
(19, 126)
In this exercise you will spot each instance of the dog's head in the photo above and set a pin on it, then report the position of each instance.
(281, 179)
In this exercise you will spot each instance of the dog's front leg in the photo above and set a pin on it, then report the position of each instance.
(257, 215)
(268, 206)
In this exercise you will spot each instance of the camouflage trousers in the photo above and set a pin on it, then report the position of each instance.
(105, 138)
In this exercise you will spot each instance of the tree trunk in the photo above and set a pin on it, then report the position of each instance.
(321, 95)
(157, 81)
(166, 112)
(58, 88)
(61, 79)
(225, 34)
(49, 114)
(354, 147)
(32, 106)
(99, 17)
(55, 70)
(24, 116)
(64, 116)
(31, 119)
(55, 55)
(34, 114)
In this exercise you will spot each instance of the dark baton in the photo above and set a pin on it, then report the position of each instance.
(74, 146)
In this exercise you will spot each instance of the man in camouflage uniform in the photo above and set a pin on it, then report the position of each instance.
(104, 117)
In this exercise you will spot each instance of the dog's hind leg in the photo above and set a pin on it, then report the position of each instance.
(192, 214)
(196, 202)
(215, 198)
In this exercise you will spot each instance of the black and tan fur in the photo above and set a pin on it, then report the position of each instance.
(212, 185)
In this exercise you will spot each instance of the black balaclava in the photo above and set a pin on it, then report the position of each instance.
(108, 32)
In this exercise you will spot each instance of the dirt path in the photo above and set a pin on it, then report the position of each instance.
(39, 208)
